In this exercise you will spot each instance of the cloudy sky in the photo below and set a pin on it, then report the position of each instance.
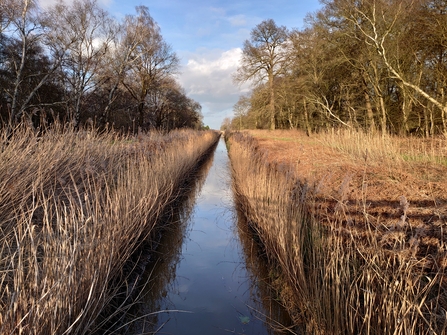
(208, 36)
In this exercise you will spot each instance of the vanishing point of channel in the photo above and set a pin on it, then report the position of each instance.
(208, 277)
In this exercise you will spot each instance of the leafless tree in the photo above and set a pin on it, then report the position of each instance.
(9, 9)
(378, 22)
(81, 34)
(22, 20)
(152, 59)
(264, 57)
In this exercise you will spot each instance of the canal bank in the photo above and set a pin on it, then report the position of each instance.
(207, 278)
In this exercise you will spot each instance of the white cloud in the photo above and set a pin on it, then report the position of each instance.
(219, 11)
(207, 78)
(238, 20)
(209, 73)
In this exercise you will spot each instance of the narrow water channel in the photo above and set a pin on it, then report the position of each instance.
(208, 278)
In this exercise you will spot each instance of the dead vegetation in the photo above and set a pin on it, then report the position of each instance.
(356, 222)
(74, 206)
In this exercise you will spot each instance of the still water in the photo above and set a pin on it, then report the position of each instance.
(208, 277)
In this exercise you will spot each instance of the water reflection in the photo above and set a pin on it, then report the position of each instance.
(207, 278)
(268, 306)
(160, 276)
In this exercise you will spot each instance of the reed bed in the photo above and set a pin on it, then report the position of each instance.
(74, 207)
(386, 148)
(339, 275)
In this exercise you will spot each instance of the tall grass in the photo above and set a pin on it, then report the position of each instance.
(388, 148)
(74, 207)
(342, 279)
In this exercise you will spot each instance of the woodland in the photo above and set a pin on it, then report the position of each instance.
(373, 65)
(76, 63)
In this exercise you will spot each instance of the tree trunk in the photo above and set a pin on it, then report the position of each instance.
(426, 124)
(77, 112)
(272, 103)
(306, 118)
(444, 119)
(406, 109)
(369, 114)
(292, 124)
(383, 118)
(432, 120)
(105, 116)
(141, 114)
(18, 80)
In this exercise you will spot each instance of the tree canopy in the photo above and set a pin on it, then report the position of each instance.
(74, 62)
(264, 58)
(376, 65)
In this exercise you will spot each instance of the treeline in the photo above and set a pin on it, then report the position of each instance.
(75, 62)
(376, 65)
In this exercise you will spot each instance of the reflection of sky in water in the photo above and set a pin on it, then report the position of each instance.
(212, 292)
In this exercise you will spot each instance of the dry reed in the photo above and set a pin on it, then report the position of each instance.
(74, 206)
(342, 281)
(386, 148)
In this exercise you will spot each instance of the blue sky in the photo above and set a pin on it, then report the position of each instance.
(208, 37)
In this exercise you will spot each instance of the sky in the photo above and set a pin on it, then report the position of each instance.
(208, 36)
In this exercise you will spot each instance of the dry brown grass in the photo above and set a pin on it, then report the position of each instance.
(356, 223)
(74, 206)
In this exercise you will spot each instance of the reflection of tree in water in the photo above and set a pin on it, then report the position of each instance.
(261, 275)
(142, 317)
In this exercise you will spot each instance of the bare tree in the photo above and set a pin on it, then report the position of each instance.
(152, 58)
(24, 25)
(8, 11)
(120, 58)
(377, 21)
(83, 33)
(264, 57)
(323, 74)
(226, 124)
(240, 110)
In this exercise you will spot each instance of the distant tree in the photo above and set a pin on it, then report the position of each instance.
(226, 124)
(72, 60)
(114, 66)
(264, 57)
(381, 22)
(7, 7)
(37, 90)
(167, 106)
(82, 31)
(240, 110)
(22, 21)
(334, 58)
(152, 59)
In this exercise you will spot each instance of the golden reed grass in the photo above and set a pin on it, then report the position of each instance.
(386, 148)
(340, 283)
(74, 207)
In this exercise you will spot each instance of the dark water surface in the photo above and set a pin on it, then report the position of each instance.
(208, 278)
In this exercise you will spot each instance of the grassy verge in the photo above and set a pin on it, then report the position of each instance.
(346, 270)
(74, 207)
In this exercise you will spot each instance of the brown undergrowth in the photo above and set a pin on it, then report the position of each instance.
(355, 222)
(74, 206)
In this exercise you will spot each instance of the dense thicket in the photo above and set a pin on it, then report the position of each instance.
(377, 65)
(73, 61)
